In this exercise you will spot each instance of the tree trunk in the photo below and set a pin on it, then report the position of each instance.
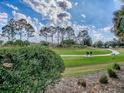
(52, 39)
(20, 34)
(62, 38)
(27, 36)
(58, 37)
(46, 38)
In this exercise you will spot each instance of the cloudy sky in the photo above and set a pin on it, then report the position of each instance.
(96, 15)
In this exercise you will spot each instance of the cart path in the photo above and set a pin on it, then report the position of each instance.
(114, 52)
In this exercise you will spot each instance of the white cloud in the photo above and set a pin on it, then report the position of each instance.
(53, 10)
(107, 29)
(33, 21)
(12, 6)
(3, 19)
(83, 15)
(76, 3)
(103, 34)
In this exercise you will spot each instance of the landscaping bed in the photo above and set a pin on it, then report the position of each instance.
(71, 85)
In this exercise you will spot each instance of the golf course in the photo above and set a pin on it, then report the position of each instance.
(77, 65)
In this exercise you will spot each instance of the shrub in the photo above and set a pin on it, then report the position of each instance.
(82, 82)
(116, 66)
(44, 43)
(8, 43)
(32, 69)
(17, 43)
(112, 73)
(78, 46)
(68, 42)
(103, 79)
(21, 43)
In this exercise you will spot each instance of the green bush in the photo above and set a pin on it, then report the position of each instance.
(78, 46)
(116, 66)
(82, 82)
(112, 73)
(68, 42)
(103, 79)
(28, 69)
(8, 43)
(44, 43)
(17, 43)
(21, 43)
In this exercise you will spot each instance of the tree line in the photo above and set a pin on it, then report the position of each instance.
(23, 30)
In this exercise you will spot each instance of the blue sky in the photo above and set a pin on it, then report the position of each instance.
(94, 14)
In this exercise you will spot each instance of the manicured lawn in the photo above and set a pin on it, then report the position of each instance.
(76, 66)
(78, 51)
(82, 61)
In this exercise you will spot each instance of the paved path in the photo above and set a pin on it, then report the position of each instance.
(114, 52)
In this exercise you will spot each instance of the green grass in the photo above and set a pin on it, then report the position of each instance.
(82, 61)
(79, 51)
(76, 66)
(78, 71)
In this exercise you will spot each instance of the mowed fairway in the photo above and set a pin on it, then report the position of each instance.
(77, 65)
(79, 51)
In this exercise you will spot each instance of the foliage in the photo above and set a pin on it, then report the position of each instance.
(112, 73)
(1, 42)
(68, 42)
(82, 82)
(44, 43)
(103, 79)
(118, 21)
(21, 43)
(17, 27)
(84, 38)
(33, 69)
(116, 66)
(17, 43)
(98, 44)
(78, 46)
(8, 43)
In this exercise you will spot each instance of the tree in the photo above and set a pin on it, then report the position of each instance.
(98, 44)
(50, 32)
(6, 31)
(21, 25)
(43, 32)
(70, 33)
(84, 38)
(1, 42)
(58, 30)
(63, 32)
(118, 21)
(29, 30)
(9, 29)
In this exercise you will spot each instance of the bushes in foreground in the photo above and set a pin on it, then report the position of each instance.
(32, 69)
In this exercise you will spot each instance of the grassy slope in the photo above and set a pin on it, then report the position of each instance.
(78, 71)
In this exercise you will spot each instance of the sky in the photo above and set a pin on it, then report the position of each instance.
(96, 15)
